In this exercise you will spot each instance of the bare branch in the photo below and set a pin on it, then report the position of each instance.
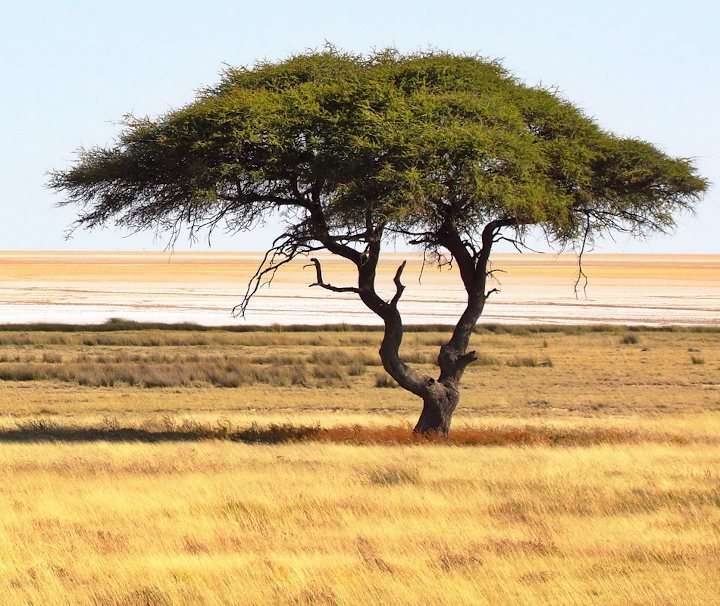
(325, 285)
(514, 241)
(470, 245)
(285, 248)
(399, 288)
(491, 272)
(466, 359)
(422, 267)
(321, 233)
(581, 273)
(418, 237)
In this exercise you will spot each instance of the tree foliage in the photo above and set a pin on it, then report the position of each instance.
(448, 152)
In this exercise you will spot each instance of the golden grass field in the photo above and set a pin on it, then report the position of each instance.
(584, 469)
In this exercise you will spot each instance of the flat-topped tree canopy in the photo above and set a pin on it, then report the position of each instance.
(411, 138)
(443, 150)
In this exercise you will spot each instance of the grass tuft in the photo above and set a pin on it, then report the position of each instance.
(486, 360)
(529, 362)
(146, 596)
(384, 381)
(393, 476)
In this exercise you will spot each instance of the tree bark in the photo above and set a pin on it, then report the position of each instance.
(438, 407)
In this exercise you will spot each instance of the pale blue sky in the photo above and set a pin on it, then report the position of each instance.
(70, 70)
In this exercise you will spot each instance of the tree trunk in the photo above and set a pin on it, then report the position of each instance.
(438, 407)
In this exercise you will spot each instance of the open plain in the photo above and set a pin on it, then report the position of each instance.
(154, 465)
(204, 287)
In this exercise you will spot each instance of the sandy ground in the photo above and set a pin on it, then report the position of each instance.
(204, 287)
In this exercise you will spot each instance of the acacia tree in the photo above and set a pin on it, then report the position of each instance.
(451, 153)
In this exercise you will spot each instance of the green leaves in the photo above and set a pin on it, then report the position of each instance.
(408, 138)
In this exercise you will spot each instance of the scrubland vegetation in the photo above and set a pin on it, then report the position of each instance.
(147, 465)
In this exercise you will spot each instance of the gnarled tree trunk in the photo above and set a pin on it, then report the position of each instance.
(440, 396)
(438, 407)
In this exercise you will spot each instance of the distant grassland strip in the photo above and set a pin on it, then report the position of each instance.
(121, 324)
(525, 371)
(129, 353)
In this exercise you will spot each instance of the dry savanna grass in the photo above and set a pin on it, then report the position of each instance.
(313, 523)
(582, 469)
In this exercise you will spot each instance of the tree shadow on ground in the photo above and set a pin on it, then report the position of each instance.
(191, 431)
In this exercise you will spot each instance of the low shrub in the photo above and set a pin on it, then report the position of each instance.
(384, 380)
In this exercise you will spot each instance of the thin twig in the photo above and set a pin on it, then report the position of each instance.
(581, 273)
